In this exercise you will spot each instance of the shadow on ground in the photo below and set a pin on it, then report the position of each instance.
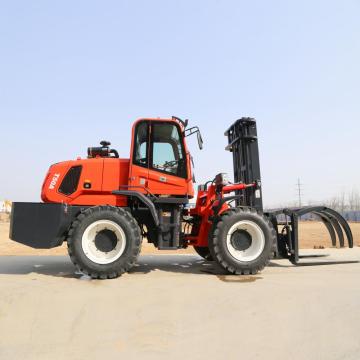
(61, 266)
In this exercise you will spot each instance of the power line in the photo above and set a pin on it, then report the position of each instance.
(299, 192)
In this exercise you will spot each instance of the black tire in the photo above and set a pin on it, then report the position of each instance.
(220, 250)
(130, 249)
(204, 252)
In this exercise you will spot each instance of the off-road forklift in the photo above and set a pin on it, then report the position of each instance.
(103, 206)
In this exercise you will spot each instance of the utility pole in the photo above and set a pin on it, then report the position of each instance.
(299, 191)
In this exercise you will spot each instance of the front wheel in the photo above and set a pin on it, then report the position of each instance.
(104, 242)
(242, 241)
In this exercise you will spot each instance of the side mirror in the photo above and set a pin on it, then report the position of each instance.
(192, 131)
(200, 140)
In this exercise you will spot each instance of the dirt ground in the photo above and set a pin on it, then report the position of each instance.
(180, 306)
(312, 234)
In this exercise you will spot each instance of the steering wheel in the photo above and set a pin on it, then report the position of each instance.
(170, 164)
(142, 160)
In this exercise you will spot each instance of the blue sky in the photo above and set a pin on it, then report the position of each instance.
(75, 72)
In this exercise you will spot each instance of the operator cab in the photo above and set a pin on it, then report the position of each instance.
(160, 162)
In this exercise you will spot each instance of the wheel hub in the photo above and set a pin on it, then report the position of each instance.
(241, 240)
(105, 240)
(245, 240)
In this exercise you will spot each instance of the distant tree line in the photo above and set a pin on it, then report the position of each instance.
(347, 204)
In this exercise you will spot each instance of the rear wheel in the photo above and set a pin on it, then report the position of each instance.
(104, 242)
(204, 252)
(242, 241)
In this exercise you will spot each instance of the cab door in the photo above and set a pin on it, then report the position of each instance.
(139, 166)
(167, 160)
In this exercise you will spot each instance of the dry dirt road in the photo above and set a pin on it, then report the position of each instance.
(180, 307)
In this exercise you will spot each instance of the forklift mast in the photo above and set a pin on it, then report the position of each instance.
(243, 143)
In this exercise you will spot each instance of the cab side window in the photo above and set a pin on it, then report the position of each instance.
(141, 144)
(168, 154)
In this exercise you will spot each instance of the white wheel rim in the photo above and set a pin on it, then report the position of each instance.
(90, 249)
(257, 243)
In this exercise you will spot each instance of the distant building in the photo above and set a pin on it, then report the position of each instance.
(5, 206)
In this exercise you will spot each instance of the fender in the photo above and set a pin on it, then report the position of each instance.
(145, 200)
